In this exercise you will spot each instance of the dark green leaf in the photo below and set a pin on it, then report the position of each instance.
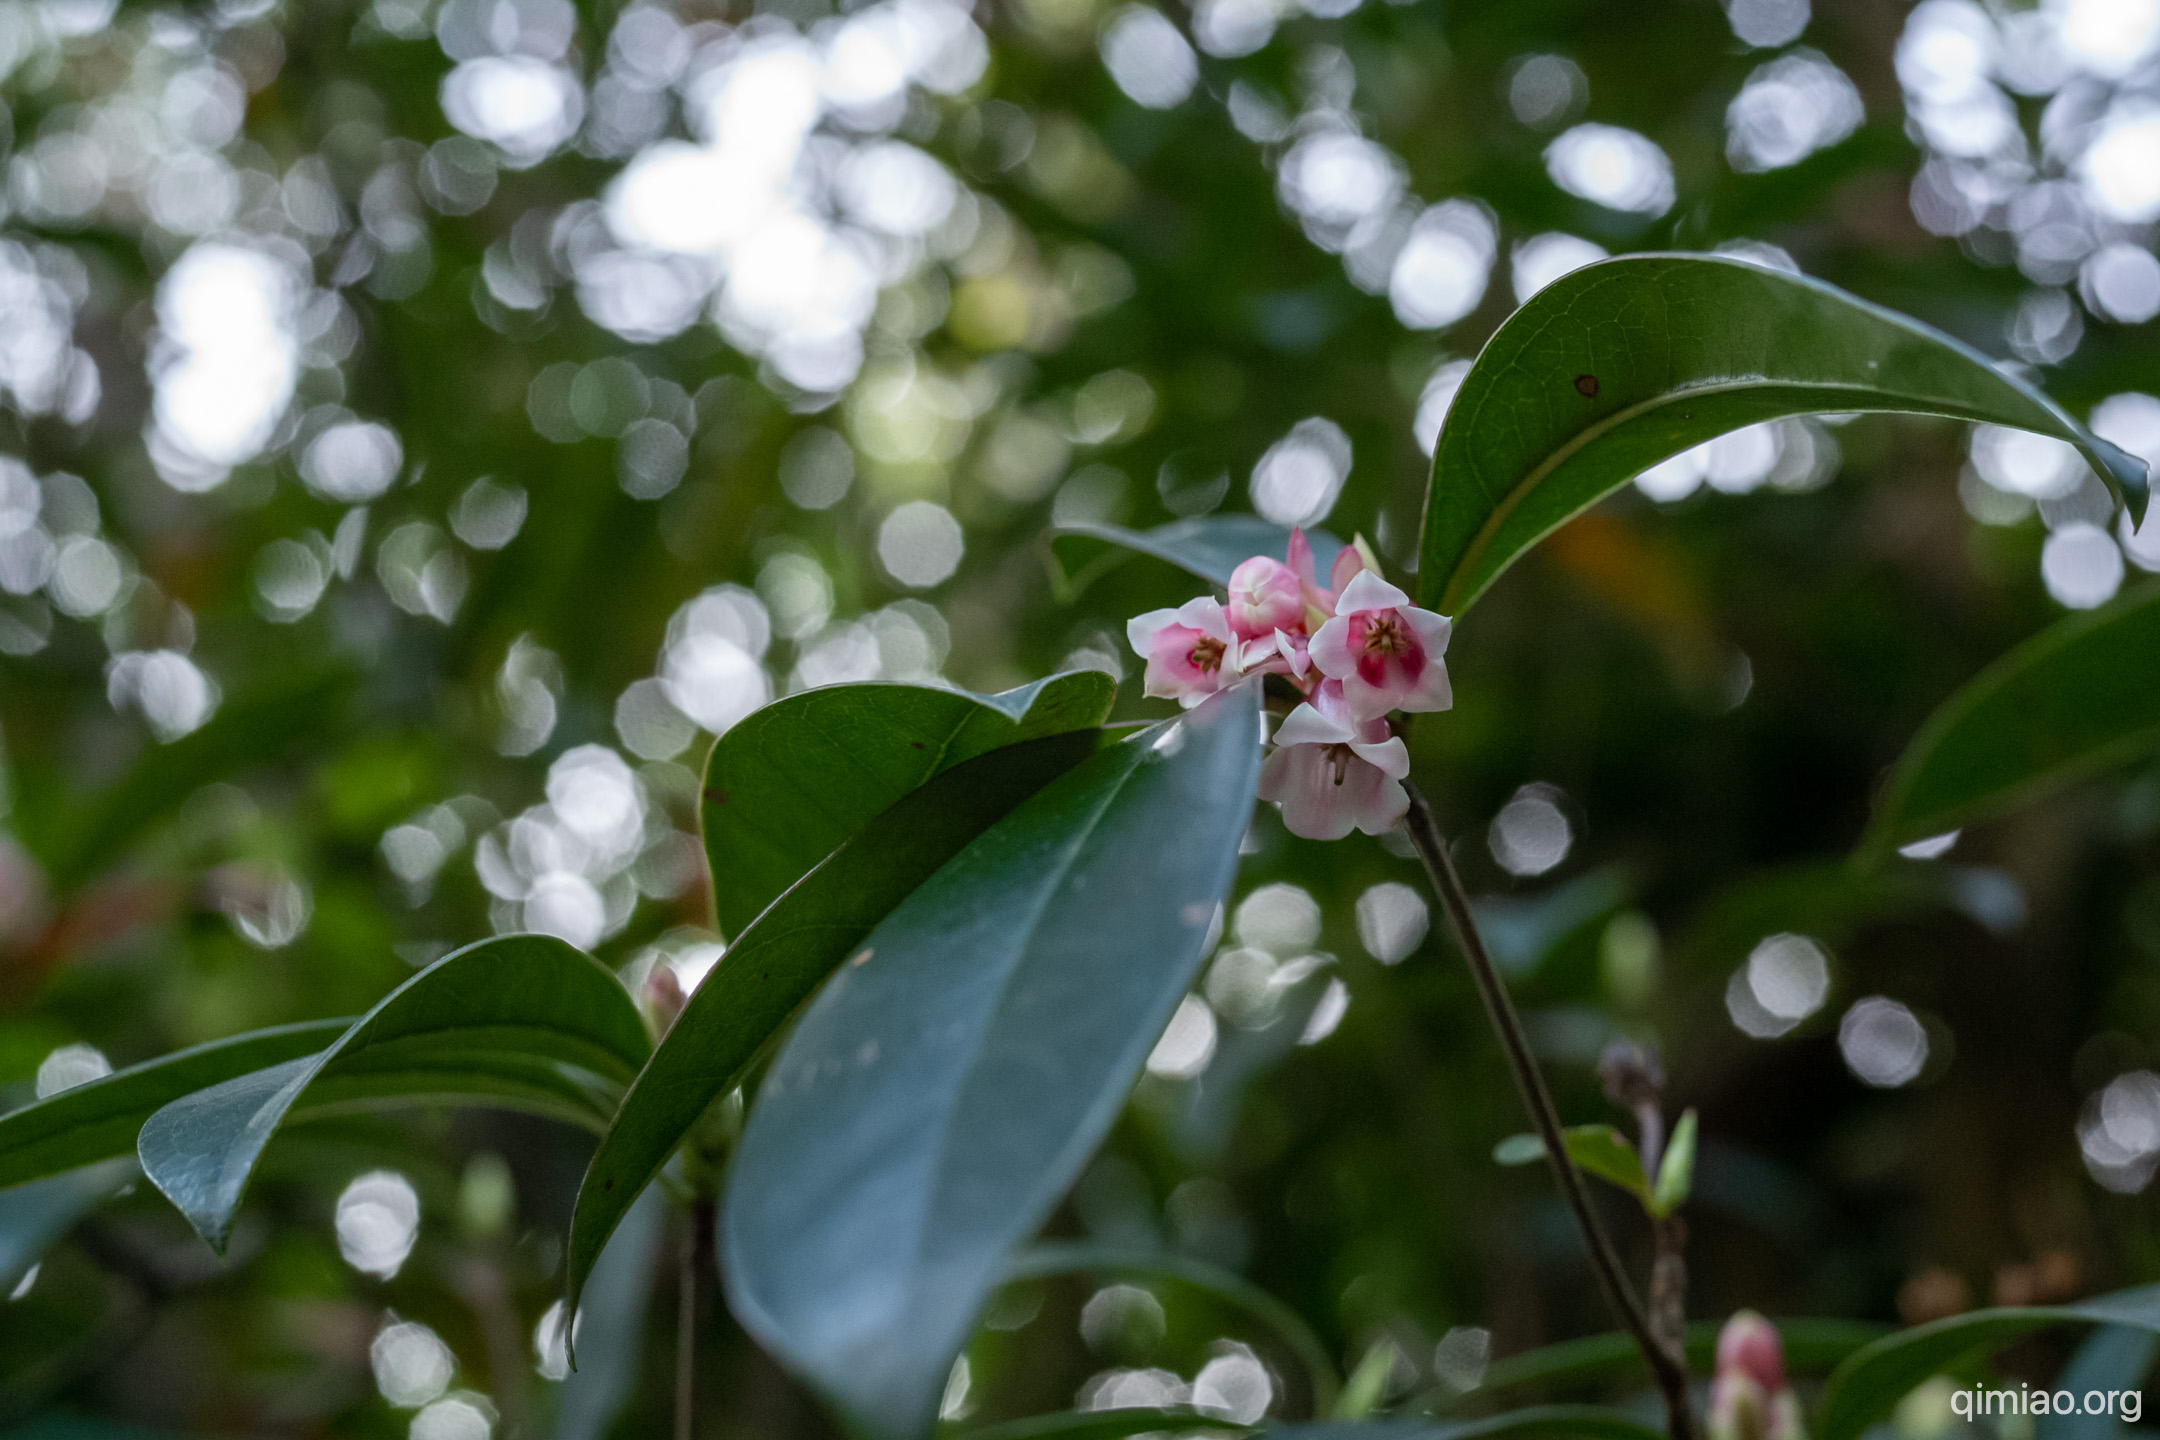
(1067, 1259)
(33, 1216)
(2077, 698)
(1811, 1346)
(522, 1022)
(1617, 366)
(1676, 1170)
(938, 1098)
(99, 1121)
(781, 959)
(1210, 547)
(1107, 1424)
(792, 781)
(1590, 1422)
(1868, 1385)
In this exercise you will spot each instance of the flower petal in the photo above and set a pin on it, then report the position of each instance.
(1390, 756)
(1330, 649)
(1307, 726)
(1140, 630)
(1367, 591)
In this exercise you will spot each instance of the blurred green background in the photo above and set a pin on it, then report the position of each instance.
(427, 424)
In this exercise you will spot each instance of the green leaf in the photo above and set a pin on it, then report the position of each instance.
(1676, 1170)
(1108, 1424)
(1621, 364)
(1599, 1149)
(792, 781)
(780, 960)
(1868, 1386)
(99, 1120)
(522, 1022)
(936, 1100)
(1811, 1346)
(1209, 547)
(33, 1216)
(1588, 1422)
(2077, 698)
(1064, 1258)
(613, 1325)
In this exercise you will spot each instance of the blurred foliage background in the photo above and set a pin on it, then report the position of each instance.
(426, 424)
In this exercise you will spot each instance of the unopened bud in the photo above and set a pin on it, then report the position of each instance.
(1749, 1398)
(664, 998)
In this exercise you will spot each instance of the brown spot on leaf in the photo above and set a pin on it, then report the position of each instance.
(916, 743)
(1586, 384)
(714, 795)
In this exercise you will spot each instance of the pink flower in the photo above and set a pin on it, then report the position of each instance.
(1749, 1397)
(1333, 773)
(1265, 596)
(1190, 651)
(1385, 651)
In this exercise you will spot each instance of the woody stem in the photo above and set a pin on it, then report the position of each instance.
(1668, 1370)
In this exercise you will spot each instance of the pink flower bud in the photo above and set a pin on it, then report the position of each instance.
(664, 997)
(1384, 650)
(1265, 596)
(1749, 1397)
(1750, 1345)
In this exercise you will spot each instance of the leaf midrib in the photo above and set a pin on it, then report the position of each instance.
(1520, 490)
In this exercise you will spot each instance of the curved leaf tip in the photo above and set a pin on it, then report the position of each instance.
(1627, 362)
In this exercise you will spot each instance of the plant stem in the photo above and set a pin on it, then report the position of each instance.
(1669, 1372)
(690, 1269)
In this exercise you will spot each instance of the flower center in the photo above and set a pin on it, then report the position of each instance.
(1338, 758)
(1206, 654)
(1384, 635)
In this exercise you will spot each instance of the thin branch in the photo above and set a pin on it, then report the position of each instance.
(1670, 1374)
(694, 1260)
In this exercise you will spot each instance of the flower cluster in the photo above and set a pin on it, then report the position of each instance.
(1354, 649)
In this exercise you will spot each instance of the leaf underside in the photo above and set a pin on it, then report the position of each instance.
(780, 960)
(1209, 547)
(1627, 362)
(937, 1099)
(524, 1022)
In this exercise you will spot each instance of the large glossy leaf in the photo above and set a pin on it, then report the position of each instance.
(612, 1358)
(2076, 698)
(792, 781)
(946, 1087)
(1868, 1385)
(781, 959)
(1624, 363)
(1062, 1258)
(1209, 547)
(99, 1120)
(522, 1022)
